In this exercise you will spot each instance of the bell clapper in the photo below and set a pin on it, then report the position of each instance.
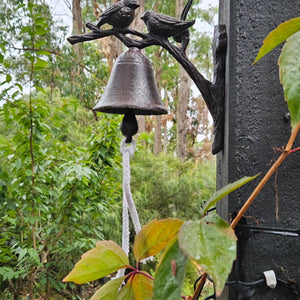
(129, 125)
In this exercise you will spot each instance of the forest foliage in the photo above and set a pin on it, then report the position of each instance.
(60, 163)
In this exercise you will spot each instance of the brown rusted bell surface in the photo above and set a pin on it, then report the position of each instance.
(131, 86)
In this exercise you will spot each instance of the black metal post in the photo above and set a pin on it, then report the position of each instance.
(255, 128)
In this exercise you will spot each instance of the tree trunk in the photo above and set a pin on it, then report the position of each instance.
(157, 136)
(183, 99)
(165, 139)
(157, 133)
(165, 123)
(182, 128)
(77, 69)
(30, 286)
(138, 24)
(77, 26)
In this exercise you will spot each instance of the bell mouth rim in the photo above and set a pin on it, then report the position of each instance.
(159, 110)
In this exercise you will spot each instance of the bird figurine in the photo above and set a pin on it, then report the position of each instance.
(119, 15)
(166, 26)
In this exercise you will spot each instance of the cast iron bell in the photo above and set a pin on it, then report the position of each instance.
(131, 87)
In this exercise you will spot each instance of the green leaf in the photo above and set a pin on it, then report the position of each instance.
(8, 78)
(2, 47)
(289, 72)
(40, 20)
(41, 90)
(8, 273)
(170, 273)
(30, 56)
(43, 52)
(39, 44)
(26, 29)
(35, 256)
(278, 36)
(126, 292)
(218, 195)
(19, 86)
(138, 287)
(154, 237)
(211, 243)
(41, 30)
(109, 290)
(40, 64)
(30, 6)
(22, 253)
(105, 259)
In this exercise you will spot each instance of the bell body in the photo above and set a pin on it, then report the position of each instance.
(131, 86)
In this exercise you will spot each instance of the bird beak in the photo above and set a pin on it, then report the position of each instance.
(143, 17)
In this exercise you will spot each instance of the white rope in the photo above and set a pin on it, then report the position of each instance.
(125, 235)
(127, 151)
(125, 232)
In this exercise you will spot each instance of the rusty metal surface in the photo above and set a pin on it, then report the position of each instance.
(131, 86)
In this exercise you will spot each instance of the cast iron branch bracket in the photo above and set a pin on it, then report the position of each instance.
(213, 92)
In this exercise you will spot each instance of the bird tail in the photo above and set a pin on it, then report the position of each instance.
(186, 10)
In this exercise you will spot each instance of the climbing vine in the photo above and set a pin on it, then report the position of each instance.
(209, 242)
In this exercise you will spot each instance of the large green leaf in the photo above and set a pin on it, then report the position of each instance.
(289, 71)
(109, 290)
(278, 36)
(212, 244)
(170, 273)
(218, 195)
(154, 237)
(105, 259)
(138, 287)
(126, 292)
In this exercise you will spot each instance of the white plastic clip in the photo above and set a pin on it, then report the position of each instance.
(271, 280)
